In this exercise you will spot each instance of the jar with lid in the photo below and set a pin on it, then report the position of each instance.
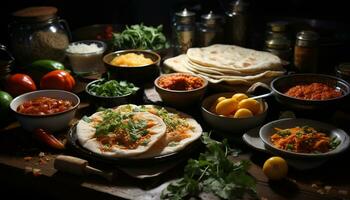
(184, 30)
(237, 22)
(210, 30)
(306, 51)
(277, 41)
(38, 33)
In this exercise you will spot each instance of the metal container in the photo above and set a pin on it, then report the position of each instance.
(210, 30)
(38, 33)
(237, 23)
(277, 40)
(183, 30)
(306, 51)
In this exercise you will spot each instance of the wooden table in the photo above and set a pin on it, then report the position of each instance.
(20, 153)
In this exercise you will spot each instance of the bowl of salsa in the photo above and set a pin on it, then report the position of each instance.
(310, 91)
(180, 89)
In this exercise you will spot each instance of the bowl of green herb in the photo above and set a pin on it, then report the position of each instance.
(111, 93)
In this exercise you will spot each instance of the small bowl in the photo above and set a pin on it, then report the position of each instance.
(180, 98)
(108, 102)
(138, 75)
(86, 64)
(229, 124)
(267, 131)
(53, 122)
(281, 84)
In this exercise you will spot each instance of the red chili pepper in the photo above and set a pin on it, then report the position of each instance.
(47, 138)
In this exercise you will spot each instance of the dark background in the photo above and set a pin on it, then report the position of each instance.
(332, 16)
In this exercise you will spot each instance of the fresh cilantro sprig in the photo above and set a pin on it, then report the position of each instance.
(140, 36)
(112, 88)
(213, 173)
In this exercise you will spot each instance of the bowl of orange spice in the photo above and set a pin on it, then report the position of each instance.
(310, 91)
(180, 89)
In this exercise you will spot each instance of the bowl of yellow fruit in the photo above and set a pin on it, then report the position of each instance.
(234, 112)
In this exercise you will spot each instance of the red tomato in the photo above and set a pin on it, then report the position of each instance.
(18, 84)
(57, 79)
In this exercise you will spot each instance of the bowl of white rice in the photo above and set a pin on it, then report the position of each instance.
(85, 57)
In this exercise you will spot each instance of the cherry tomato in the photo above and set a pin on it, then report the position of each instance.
(57, 79)
(18, 84)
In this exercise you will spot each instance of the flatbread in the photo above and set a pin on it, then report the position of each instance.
(181, 64)
(87, 138)
(166, 145)
(234, 57)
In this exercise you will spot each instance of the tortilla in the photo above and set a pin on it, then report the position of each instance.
(166, 144)
(181, 64)
(86, 133)
(234, 57)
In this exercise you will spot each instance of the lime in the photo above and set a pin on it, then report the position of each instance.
(5, 100)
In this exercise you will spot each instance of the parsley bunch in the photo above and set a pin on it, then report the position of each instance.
(112, 88)
(140, 37)
(213, 173)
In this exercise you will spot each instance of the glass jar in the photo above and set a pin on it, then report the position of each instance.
(210, 30)
(184, 30)
(306, 51)
(37, 33)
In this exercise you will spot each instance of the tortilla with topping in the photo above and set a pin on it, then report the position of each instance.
(120, 134)
(181, 129)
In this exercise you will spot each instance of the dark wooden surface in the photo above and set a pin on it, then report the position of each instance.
(16, 144)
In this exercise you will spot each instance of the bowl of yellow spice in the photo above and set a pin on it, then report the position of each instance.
(234, 112)
(137, 66)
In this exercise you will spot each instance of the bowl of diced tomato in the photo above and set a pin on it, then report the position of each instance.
(50, 110)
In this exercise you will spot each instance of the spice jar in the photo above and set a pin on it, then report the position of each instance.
(209, 31)
(237, 23)
(277, 41)
(184, 30)
(37, 33)
(306, 51)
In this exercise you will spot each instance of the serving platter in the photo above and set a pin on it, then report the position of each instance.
(170, 157)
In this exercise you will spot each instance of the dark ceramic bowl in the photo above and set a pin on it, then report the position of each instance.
(281, 84)
(137, 75)
(268, 130)
(108, 102)
(181, 98)
(229, 124)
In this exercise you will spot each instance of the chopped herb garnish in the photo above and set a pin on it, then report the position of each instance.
(86, 119)
(173, 144)
(334, 142)
(284, 132)
(289, 147)
(112, 88)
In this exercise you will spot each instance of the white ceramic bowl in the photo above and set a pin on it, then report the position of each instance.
(53, 122)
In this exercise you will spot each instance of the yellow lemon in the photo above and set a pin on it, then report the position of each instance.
(221, 98)
(239, 97)
(275, 168)
(243, 113)
(226, 106)
(250, 104)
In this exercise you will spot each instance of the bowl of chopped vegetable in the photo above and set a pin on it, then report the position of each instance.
(303, 138)
(111, 93)
(136, 66)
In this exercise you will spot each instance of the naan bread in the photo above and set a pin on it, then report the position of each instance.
(166, 145)
(182, 64)
(86, 136)
(234, 57)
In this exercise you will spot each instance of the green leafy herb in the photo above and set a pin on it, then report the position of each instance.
(284, 132)
(213, 173)
(334, 142)
(86, 119)
(112, 88)
(289, 147)
(140, 37)
(114, 121)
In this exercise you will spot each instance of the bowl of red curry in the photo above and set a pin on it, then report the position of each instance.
(310, 91)
(180, 89)
(51, 110)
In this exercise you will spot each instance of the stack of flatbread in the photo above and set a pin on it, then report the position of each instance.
(228, 64)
